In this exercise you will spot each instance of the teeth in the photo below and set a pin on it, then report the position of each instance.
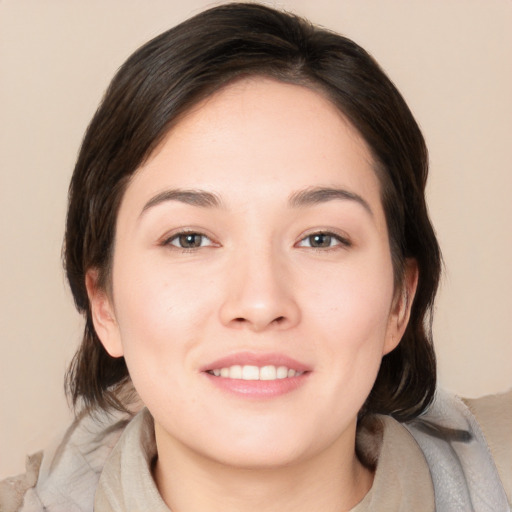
(249, 372)
(235, 372)
(282, 372)
(268, 373)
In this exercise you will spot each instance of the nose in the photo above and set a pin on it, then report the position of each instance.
(259, 294)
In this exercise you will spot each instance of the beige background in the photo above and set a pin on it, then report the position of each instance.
(450, 58)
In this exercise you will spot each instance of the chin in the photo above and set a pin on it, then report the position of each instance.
(263, 448)
(258, 457)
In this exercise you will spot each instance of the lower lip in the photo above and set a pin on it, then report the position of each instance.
(258, 388)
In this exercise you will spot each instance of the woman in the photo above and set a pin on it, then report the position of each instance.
(248, 240)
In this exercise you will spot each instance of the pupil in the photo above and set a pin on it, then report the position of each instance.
(321, 240)
(190, 240)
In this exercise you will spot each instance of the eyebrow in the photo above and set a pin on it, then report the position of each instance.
(317, 195)
(302, 198)
(199, 198)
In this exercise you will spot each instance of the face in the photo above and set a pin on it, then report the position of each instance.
(252, 284)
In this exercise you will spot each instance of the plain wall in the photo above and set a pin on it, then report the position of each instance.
(451, 59)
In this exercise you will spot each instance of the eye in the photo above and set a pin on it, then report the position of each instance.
(188, 240)
(323, 241)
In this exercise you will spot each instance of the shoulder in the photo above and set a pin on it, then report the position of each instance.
(463, 467)
(64, 476)
(493, 414)
(13, 490)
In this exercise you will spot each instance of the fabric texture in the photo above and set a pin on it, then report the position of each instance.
(439, 462)
(494, 416)
(464, 474)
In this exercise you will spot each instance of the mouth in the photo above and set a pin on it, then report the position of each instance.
(251, 372)
(257, 376)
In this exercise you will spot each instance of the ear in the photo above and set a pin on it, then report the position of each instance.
(402, 304)
(103, 316)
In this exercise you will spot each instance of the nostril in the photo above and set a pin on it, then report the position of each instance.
(241, 320)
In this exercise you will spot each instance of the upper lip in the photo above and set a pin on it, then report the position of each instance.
(256, 359)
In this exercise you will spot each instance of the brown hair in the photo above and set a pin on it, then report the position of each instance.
(167, 76)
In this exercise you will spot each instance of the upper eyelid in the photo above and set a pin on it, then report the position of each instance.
(342, 237)
(180, 232)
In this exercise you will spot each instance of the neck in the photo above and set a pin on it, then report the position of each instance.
(332, 481)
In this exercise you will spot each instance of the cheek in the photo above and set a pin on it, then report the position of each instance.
(353, 302)
(159, 312)
(349, 318)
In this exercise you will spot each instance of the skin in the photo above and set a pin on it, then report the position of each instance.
(256, 284)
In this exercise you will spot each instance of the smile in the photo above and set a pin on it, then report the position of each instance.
(251, 372)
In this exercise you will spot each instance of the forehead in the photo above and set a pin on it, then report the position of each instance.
(258, 136)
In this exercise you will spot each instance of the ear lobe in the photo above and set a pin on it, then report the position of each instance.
(103, 317)
(401, 312)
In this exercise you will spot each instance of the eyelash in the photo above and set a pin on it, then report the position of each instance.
(177, 236)
(341, 241)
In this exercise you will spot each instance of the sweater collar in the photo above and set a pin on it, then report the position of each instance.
(126, 482)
